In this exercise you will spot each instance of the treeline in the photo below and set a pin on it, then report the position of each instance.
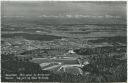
(120, 39)
(101, 50)
(104, 68)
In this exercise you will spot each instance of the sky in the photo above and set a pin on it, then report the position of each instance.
(63, 9)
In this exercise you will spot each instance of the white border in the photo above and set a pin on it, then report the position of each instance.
(62, 0)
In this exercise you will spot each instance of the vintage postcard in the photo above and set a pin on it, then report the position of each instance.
(63, 41)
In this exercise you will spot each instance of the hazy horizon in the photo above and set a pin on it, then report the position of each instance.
(108, 11)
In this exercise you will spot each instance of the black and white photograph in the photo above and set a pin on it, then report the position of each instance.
(63, 41)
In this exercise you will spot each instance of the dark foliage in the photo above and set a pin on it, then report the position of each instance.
(115, 39)
(101, 50)
(104, 68)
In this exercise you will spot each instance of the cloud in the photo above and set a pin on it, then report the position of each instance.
(68, 16)
(110, 16)
(78, 16)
